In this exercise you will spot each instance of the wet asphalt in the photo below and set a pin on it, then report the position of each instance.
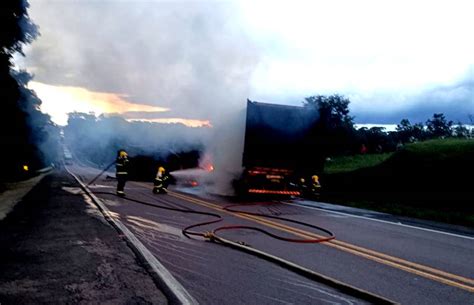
(408, 264)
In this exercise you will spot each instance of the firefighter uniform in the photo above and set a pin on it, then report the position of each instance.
(315, 185)
(121, 167)
(161, 181)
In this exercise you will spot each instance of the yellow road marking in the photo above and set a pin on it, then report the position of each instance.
(353, 249)
(307, 234)
(369, 254)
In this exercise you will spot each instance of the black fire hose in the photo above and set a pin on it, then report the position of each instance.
(314, 276)
(186, 231)
(97, 177)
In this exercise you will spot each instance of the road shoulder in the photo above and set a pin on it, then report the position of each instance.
(54, 250)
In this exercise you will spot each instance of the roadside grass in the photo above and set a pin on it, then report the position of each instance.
(442, 148)
(351, 163)
(445, 214)
(430, 180)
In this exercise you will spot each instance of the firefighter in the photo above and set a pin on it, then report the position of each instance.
(121, 167)
(302, 185)
(161, 181)
(315, 185)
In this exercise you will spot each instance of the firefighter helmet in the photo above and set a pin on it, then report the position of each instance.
(315, 178)
(123, 154)
(161, 169)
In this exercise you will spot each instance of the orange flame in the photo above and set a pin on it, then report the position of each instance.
(206, 163)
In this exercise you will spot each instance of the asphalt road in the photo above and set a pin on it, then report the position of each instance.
(57, 249)
(405, 263)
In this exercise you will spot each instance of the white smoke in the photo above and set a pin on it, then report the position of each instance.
(225, 149)
(189, 56)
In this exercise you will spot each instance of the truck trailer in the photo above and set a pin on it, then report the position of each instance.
(280, 155)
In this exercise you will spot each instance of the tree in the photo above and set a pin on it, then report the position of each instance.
(95, 140)
(438, 126)
(17, 28)
(406, 132)
(461, 131)
(334, 130)
(419, 131)
(333, 110)
(376, 139)
(26, 134)
(14, 131)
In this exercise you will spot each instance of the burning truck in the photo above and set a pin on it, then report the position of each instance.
(280, 155)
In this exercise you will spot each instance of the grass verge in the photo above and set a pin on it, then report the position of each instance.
(428, 180)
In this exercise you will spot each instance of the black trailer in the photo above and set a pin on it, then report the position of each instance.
(280, 155)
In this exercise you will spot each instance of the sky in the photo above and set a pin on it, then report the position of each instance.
(196, 62)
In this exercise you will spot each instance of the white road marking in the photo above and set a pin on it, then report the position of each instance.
(379, 220)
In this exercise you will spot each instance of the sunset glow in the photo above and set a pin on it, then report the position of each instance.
(186, 122)
(58, 101)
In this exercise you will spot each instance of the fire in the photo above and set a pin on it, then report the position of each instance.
(206, 163)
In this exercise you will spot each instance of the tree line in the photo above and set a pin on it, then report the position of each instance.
(95, 140)
(336, 134)
(28, 138)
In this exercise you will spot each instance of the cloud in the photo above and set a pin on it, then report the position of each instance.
(456, 101)
(188, 56)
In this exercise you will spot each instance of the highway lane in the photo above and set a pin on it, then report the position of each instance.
(213, 274)
(407, 265)
(444, 252)
(452, 253)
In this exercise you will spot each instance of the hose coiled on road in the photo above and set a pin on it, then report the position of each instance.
(314, 276)
(188, 232)
(307, 273)
(293, 240)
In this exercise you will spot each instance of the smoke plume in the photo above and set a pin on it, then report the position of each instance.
(188, 56)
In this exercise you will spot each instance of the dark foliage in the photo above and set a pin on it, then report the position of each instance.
(461, 131)
(95, 140)
(376, 139)
(406, 132)
(334, 130)
(24, 131)
(438, 126)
